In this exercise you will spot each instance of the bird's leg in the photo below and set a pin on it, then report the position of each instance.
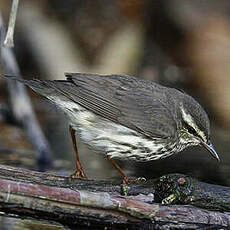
(116, 166)
(79, 173)
(125, 179)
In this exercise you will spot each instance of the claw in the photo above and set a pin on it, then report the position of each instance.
(143, 179)
(78, 174)
(126, 180)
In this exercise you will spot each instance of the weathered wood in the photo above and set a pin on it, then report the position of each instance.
(79, 203)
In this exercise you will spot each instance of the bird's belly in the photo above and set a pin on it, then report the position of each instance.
(110, 138)
(116, 140)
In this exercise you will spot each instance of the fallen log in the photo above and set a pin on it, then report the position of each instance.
(80, 203)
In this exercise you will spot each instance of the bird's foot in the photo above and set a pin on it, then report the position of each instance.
(79, 173)
(126, 180)
(124, 186)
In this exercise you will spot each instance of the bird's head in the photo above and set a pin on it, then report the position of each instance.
(195, 125)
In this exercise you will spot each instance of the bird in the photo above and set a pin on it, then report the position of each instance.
(125, 117)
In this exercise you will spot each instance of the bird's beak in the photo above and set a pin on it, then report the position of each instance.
(211, 149)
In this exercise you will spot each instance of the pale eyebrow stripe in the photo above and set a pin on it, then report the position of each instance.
(188, 119)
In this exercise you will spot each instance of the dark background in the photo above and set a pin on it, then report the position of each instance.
(181, 44)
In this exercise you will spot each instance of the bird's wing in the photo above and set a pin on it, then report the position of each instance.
(136, 104)
(139, 105)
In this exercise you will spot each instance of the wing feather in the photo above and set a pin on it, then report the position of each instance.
(137, 104)
(141, 105)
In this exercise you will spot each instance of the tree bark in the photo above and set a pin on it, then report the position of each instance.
(79, 203)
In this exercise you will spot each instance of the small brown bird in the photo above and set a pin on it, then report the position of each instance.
(125, 117)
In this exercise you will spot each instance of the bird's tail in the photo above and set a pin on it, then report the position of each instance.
(38, 86)
(44, 87)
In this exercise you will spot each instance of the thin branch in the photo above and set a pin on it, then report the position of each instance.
(21, 105)
(9, 41)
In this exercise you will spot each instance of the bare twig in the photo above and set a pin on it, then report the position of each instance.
(21, 105)
(9, 41)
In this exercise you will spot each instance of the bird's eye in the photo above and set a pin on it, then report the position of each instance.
(191, 130)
